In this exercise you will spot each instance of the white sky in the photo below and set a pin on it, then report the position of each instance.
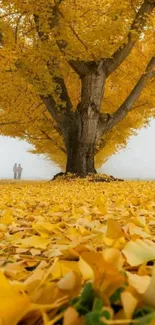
(136, 161)
(34, 166)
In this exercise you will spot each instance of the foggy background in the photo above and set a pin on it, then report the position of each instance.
(136, 161)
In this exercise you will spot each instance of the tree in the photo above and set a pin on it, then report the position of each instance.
(76, 78)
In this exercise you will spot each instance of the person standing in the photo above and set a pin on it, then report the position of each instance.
(15, 170)
(19, 169)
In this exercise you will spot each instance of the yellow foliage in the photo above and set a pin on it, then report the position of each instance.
(93, 30)
(13, 304)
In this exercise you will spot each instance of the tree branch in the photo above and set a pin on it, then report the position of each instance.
(120, 55)
(61, 89)
(63, 93)
(9, 123)
(80, 67)
(127, 106)
(28, 136)
(1, 39)
(42, 35)
(52, 140)
(47, 100)
(51, 106)
(17, 27)
(47, 137)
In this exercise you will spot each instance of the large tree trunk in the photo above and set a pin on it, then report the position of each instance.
(80, 141)
(80, 158)
(80, 128)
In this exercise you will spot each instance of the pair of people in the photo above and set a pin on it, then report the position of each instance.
(17, 171)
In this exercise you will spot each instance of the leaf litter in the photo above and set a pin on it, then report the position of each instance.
(74, 252)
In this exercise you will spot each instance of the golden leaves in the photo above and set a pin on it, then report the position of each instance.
(14, 304)
(114, 230)
(70, 248)
(106, 277)
(71, 317)
(93, 30)
(139, 251)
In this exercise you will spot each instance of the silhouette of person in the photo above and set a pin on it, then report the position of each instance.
(15, 170)
(19, 169)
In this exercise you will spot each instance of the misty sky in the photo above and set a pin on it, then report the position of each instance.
(136, 161)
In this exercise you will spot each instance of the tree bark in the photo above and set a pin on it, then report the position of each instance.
(81, 135)
(80, 158)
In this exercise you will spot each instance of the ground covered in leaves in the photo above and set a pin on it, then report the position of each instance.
(75, 252)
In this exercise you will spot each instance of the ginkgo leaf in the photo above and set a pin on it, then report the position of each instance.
(139, 252)
(68, 282)
(113, 256)
(114, 230)
(139, 282)
(71, 317)
(129, 303)
(85, 269)
(148, 294)
(45, 228)
(61, 268)
(34, 241)
(3, 227)
(135, 230)
(13, 304)
(7, 219)
(139, 221)
(106, 277)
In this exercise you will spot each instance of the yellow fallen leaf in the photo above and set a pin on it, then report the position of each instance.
(135, 230)
(139, 252)
(71, 316)
(61, 268)
(70, 284)
(108, 241)
(67, 282)
(7, 219)
(15, 237)
(113, 256)
(3, 227)
(103, 209)
(13, 304)
(114, 229)
(55, 208)
(34, 241)
(149, 294)
(45, 228)
(35, 252)
(21, 250)
(34, 279)
(129, 303)
(106, 277)
(138, 282)
(12, 270)
(45, 318)
(139, 221)
(47, 293)
(100, 201)
(85, 269)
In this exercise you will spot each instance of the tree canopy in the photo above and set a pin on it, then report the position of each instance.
(47, 47)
